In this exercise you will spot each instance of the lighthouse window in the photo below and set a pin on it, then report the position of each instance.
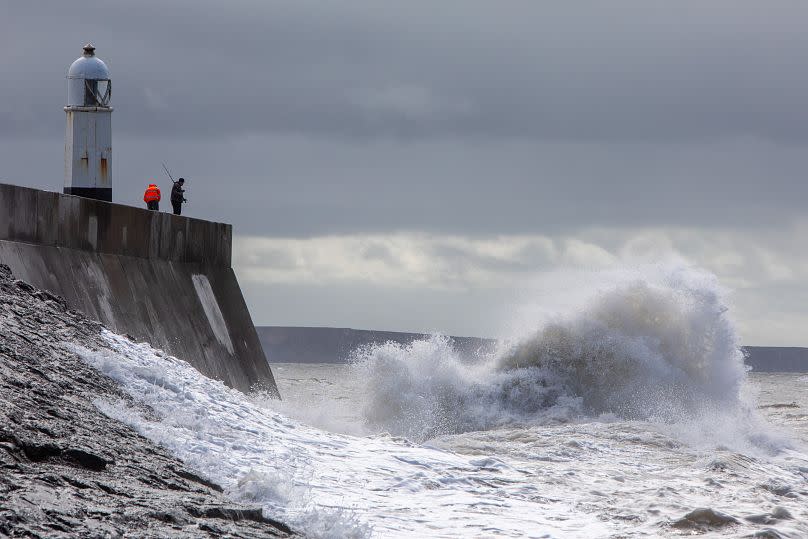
(97, 92)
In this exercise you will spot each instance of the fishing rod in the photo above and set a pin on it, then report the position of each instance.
(169, 173)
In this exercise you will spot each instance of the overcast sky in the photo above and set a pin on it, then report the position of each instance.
(420, 165)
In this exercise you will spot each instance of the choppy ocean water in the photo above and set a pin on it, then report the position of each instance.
(610, 478)
(630, 417)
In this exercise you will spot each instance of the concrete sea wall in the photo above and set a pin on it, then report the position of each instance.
(160, 278)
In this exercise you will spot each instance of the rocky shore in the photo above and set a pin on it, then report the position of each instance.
(67, 470)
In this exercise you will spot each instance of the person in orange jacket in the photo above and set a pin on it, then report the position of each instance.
(152, 197)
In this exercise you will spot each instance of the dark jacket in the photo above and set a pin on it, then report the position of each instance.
(177, 194)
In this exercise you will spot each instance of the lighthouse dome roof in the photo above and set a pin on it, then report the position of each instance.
(88, 66)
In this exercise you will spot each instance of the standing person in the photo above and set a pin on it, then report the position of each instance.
(178, 196)
(152, 197)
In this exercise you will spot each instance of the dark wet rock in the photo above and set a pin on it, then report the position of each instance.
(704, 519)
(236, 514)
(778, 489)
(777, 514)
(781, 513)
(767, 533)
(67, 470)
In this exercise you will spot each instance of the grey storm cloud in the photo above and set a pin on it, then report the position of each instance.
(464, 116)
(613, 71)
(399, 165)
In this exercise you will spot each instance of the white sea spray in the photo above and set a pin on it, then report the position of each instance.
(657, 346)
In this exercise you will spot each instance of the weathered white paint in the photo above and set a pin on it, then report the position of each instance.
(211, 307)
(88, 136)
(88, 148)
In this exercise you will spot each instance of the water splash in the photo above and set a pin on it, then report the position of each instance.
(655, 345)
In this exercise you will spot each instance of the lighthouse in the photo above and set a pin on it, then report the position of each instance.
(88, 138)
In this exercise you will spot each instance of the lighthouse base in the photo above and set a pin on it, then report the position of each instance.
(98, 193)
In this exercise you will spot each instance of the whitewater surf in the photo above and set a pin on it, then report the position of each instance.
(629, 416)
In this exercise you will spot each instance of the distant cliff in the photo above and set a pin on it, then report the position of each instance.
(335, 345)
(777, 359)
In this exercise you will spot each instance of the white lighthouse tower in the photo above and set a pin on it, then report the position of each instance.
(88, 139)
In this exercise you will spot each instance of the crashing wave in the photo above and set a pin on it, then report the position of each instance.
(659, 346)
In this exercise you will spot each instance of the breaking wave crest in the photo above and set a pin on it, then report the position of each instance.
(655, 345)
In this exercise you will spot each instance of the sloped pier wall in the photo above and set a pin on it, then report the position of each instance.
(161, 278)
